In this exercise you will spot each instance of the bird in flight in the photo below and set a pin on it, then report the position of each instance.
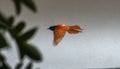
(60, 30)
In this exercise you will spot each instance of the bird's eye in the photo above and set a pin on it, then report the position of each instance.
(52, 28)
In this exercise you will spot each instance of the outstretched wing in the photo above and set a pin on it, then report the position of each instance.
(58, 35)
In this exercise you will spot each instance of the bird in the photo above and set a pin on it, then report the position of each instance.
(60, 30)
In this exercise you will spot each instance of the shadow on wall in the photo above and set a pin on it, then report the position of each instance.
(21, 39)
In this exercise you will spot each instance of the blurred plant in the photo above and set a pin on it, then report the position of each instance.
(21, 39)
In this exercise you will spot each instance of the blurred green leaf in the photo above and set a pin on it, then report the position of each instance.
(10, 21)
(3, 42)
(32, 52)
(17, 4)
(2, 26)
(30, 4)
(20, 49)
(5, 66)
(2, 18)
(2, 58)
(3, 22)
(24, 49)
(29, 66)
(19, 65)
(18, 28)
(24, 37)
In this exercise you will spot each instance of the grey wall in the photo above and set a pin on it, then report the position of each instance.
(96, 47)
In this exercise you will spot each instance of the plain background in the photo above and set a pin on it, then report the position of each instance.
(98, 46)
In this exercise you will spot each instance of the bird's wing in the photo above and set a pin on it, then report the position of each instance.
(58, 35)
(74, 29)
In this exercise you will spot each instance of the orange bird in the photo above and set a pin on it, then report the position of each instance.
(60, 30)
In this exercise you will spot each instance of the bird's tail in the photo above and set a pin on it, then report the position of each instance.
(74, 29)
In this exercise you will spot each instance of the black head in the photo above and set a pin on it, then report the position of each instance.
(52, 28)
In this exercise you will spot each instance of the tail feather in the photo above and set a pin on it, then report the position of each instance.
(74, 29)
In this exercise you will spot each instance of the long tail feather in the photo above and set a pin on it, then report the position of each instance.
(74, 29)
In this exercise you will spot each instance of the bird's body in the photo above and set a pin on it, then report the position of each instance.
(60, 30)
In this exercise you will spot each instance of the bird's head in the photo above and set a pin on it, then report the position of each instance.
(52, 28)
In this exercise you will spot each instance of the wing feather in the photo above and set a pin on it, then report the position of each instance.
(58, 35)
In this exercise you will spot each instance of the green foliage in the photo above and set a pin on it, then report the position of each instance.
(5, 66)
(19, 65)
(2, 22)
(32, 52)
(18, 28)
(21, 38)
(17, 6)
(3, 42)
(10, 21)
(2, 58)
(4, 63)
(27, 35)
(28, 3)
(29, 66)
(2, 18)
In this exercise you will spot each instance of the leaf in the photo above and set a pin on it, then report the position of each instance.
(2, 26)
(5, 66)
(30, 4)
(3, 21)
(2, 18)
(3, 42)
(22, 53)
(29, 66)
(32, 52)
(21, 42)
(20, 49)
(18, 28)
(10, 21)
(19, 65)
(2, 58)
(17, 4)
(27, 35)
